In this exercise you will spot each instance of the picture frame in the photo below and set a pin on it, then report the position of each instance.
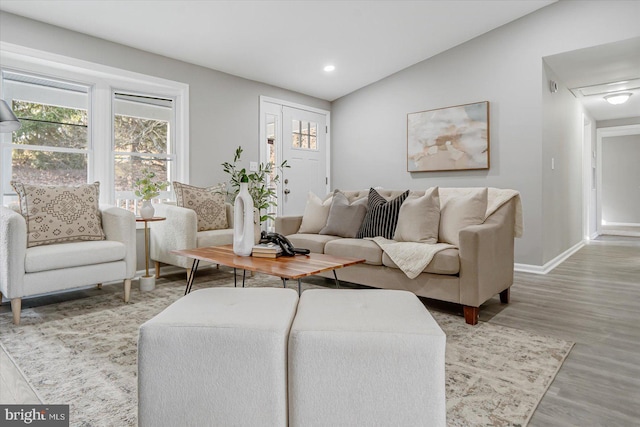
(449, 139)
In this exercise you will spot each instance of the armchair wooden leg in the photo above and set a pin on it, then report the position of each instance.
(127, 289)
(157, 266)
(16, 306)
(188, 274)
(99, 286)
(471, 314)
(505, 296)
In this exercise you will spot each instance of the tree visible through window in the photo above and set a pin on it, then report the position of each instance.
(142, 139)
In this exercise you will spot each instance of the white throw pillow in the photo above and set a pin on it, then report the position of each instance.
(419, 218)
(315, 214)
(458, 212)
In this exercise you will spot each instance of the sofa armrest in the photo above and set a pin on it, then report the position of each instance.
(120, 225)
(178, 231)
(486, 257)
(287, 225)
(13, 248)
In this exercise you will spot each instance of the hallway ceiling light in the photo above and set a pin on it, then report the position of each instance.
(329, 68)
(618, 98)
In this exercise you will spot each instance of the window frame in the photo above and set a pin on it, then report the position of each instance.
(103, 81)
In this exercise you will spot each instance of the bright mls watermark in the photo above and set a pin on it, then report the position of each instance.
(35, 415)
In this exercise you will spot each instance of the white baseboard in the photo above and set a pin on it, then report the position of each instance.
(620, 233)
(547, 267)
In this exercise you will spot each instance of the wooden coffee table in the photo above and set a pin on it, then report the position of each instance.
(287, 268)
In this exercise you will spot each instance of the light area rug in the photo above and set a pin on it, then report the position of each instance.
(83, 352)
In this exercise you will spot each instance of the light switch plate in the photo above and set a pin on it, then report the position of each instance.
(253, 166)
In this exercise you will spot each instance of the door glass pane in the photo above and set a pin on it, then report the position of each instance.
(304, 135)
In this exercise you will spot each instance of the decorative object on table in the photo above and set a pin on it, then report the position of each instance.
(8, 120)
(261, 184)
(243, 232)
(148, 189)
(266, 250)
(452, 138)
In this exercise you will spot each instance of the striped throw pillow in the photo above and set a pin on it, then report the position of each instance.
(382, 216)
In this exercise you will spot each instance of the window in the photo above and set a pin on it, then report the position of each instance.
(53, 143)
(304, 134)
(86, 122)
(142, 127)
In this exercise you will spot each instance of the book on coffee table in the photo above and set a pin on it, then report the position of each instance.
(266, 250)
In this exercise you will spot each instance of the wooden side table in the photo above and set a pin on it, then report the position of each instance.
(147, 282)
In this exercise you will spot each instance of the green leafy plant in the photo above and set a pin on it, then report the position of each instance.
(147, 188)
(261, 183)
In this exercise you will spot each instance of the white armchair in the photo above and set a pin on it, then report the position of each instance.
(180, 231)
(40, 269)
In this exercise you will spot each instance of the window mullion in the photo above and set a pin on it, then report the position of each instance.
(101, 143)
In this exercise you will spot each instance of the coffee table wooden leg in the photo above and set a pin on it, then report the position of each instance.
(192, 276)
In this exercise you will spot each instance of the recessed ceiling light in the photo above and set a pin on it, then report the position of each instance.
(330, 68)
(618, 98)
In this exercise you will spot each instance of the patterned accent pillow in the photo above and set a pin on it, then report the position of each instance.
(382, 216)
(57, 213)
(207, 202)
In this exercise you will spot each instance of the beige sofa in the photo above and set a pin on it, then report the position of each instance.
(477, 270)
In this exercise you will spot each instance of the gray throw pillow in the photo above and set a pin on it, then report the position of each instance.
(345, 218)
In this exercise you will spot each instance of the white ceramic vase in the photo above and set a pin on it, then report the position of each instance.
(243, 229)
(147, 210)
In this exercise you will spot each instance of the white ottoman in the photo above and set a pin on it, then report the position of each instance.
(217, 357)
(365, 358)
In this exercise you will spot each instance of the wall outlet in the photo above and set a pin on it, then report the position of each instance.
(253, 166)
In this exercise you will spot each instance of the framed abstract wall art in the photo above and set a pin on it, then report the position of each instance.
(451, 138)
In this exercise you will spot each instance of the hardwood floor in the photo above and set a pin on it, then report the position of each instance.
(593, 299)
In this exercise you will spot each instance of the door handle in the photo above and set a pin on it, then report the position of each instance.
(287, 191)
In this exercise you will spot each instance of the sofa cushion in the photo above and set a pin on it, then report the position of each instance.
(419, 218)
(208, 203)
(214, 238)
(446, 261)
(314, 242)
(382, 215)
(344, 218)
(315, 214)
(355, 248)
(74, 254)
(58, 213)
(460, 211)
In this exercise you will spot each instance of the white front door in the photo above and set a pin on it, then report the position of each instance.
(304, 147)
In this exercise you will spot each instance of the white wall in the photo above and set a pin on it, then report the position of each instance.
(621, 179)
(562, 189)
(505, 68)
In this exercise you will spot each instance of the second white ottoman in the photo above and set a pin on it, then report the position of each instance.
(217, 357)
(365, 357)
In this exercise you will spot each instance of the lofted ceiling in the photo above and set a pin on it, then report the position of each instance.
(592, 70)
(286, 43)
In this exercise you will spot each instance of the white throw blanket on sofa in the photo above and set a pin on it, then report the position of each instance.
(412, 258)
